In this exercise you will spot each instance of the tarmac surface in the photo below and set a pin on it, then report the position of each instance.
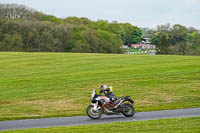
(83, 120)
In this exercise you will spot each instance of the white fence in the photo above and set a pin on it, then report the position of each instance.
(153, 52)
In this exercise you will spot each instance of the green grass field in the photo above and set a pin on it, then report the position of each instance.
(179, 125)
(34, 85)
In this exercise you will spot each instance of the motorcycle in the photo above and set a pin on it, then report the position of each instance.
(100, 104)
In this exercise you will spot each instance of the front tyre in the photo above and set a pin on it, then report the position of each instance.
(128, 110)
(93, 114)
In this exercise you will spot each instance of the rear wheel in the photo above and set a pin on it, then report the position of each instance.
(128, 110)
(93, 114)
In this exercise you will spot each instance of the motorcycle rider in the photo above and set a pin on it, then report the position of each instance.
(108, 93)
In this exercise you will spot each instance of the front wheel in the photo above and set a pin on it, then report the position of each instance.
(128, 110)
(93, 114)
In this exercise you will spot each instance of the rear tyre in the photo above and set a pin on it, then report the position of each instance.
(93, 114)
(128, 110)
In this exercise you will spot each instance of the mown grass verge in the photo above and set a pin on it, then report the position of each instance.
(178, 125)
(36, 85)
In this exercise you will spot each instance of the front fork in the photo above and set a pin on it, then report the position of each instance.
(96, 107)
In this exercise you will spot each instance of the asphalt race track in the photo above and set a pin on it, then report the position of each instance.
(83, 120)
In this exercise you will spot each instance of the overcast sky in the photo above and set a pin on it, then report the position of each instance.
(142, 13)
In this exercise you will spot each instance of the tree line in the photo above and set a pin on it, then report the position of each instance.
(24, 29)
(175, 39)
